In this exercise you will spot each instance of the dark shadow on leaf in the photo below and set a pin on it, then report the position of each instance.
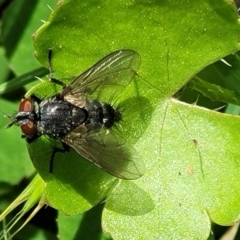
(90, 225)
(137, 203)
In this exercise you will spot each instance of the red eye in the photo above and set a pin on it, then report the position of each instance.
(29, 129)
(26, 105)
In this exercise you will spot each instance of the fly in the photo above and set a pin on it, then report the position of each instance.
(77, 117)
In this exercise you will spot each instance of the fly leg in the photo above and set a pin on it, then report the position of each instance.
(36, 98)
(52, 79)
(30, 139)
(65, 149)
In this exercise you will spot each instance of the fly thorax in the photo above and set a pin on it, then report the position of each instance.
(78, 115)
(58, 117)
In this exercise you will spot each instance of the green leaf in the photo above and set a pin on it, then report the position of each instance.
(4, 66)
(220, 81)
(187, 184)
(191, 153)
(30, 196)
(22, 80)
(20, 20)
(213, 91)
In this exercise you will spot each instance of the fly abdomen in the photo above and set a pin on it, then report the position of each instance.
(110, 115)
(101, 114)
(58, 117)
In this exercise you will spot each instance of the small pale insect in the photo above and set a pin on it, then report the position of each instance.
(78, 118)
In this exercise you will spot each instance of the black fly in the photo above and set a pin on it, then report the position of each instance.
(79, 120)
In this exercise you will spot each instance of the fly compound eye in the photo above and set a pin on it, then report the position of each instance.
(28, 128)
(26, 105)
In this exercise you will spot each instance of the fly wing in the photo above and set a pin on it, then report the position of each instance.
(111, 74)
(107, 150)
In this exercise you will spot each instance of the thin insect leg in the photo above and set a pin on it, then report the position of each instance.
(32, 139)
(54, 80)
(49, 63)
(36, 98)
(65, 149)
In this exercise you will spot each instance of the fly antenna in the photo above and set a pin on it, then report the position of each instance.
(13, 120)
